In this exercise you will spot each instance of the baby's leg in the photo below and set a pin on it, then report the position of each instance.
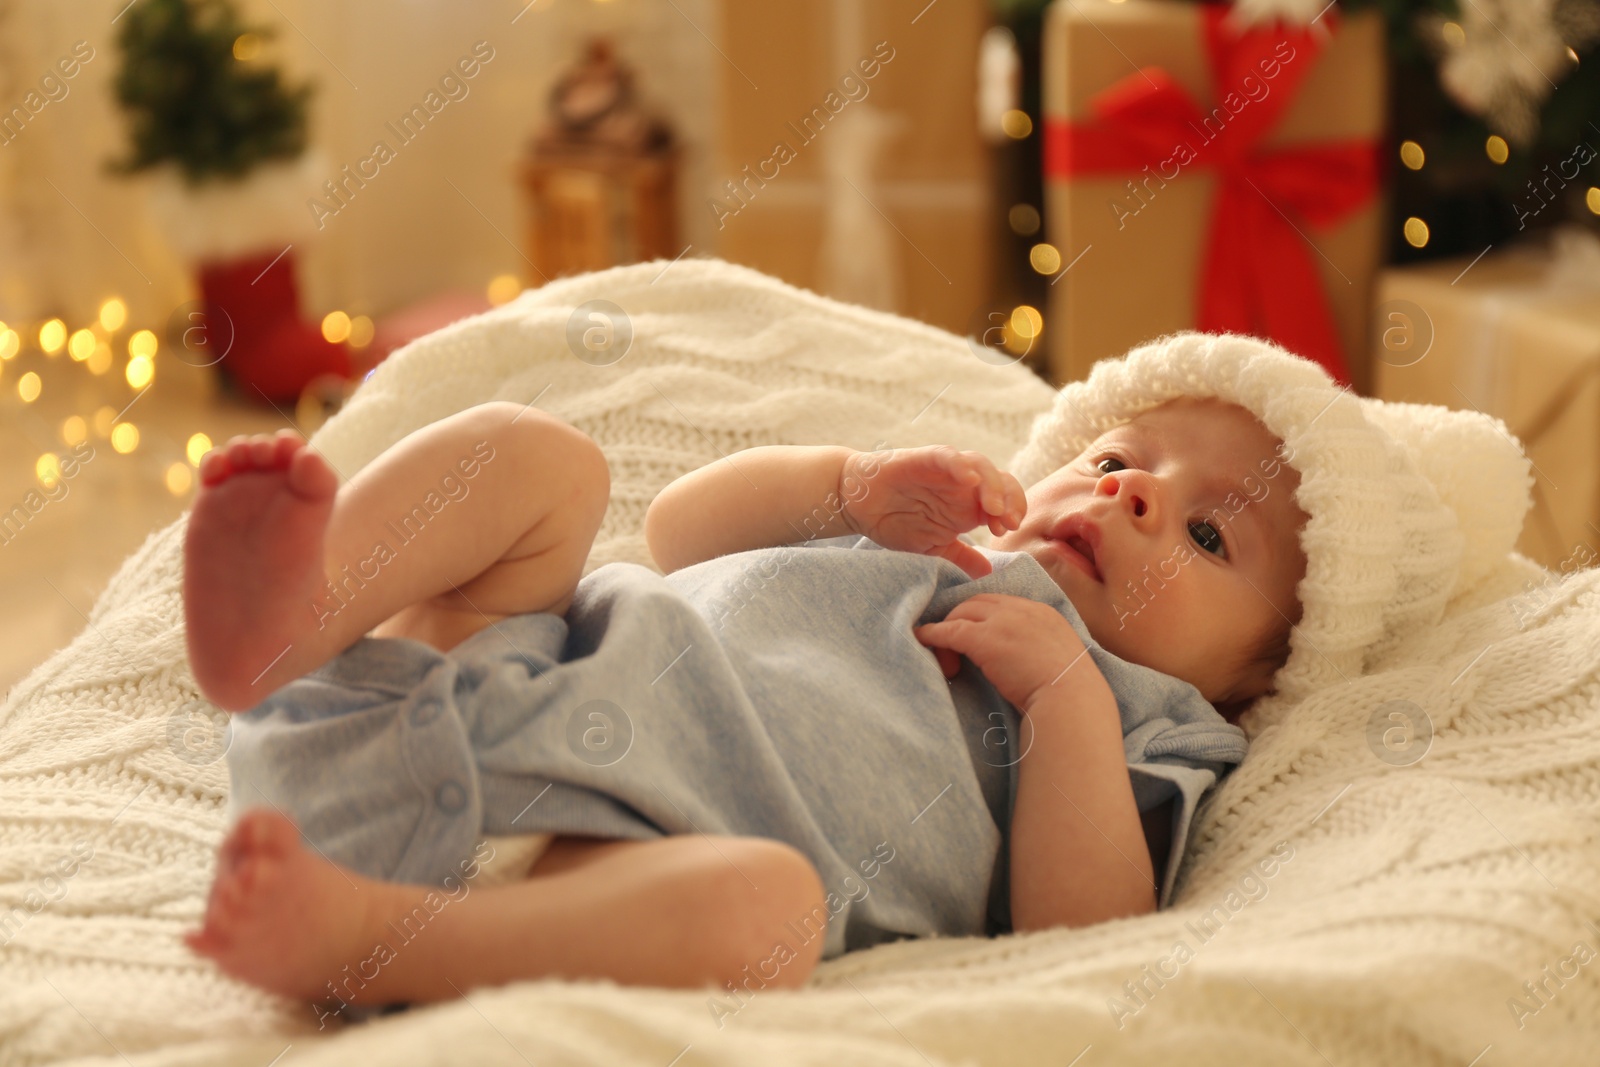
(484, 514)
(679, 911)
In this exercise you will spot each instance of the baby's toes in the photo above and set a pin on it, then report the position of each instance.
(224, 906)
(284, 445)
(241, 454)
(214, 467)
(310, 476)
(230, 852)
(207, 941)
(266, 831)
(253, 883)
(263, 451)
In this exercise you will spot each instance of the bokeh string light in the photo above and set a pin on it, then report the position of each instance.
(335, 327)
(113, 314)
(95, 345)
(503, 289)
(52, 335)
(92, 345)
(1045, 258)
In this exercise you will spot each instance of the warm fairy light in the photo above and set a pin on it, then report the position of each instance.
(28, 387)
(1572, 54)
(10, 343)
(503, 288)
(361, 331)
(113, 313)
(1022, 329)
(335, 327)
(100, 359)
(246, 47)
(199, 444)
(1024, 219)
(74, 430)
(48, 469)
(1026, 321)
(104, 416)
(52, 335)
(1045, 258)
(179, 479)
(80, 346)
(1411, 155)
(142, 343)
(124, 437)
(1454, 35)
(139, 371)
(1416, 232)
(1016, 124)
(1496, 148)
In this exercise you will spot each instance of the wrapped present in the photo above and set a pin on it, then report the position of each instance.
(1514, 334)
(1204, 175)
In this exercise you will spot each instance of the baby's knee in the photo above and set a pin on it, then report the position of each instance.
(772, 914)
(543, 442)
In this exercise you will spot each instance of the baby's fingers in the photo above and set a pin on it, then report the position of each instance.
(949, 662)
(1000, 494)
(938, 637)
(969, 559)
(1016, 500)
(959, 466)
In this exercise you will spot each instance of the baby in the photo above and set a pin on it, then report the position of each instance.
(1171, 543)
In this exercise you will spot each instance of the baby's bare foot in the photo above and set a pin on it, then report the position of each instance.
(253, 563)
(283, 918)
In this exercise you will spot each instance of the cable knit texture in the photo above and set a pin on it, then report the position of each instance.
(1341, 901)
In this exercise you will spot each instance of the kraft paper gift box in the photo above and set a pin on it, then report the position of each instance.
(1516, 335)
(1200, 179)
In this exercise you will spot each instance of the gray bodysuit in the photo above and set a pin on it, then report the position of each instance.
(778, 692)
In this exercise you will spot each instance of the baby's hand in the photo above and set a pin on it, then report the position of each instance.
(1026, 649)
(922, 500)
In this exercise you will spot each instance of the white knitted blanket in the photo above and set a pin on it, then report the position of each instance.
(1335, 907)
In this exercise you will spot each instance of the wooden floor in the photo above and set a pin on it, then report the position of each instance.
(60, 549)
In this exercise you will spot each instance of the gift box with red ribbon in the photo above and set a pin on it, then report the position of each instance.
(1203, 174)
(1513, 333)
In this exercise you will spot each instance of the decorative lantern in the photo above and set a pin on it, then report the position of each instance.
(601, 177)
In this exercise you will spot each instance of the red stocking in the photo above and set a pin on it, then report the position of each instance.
(273, 352)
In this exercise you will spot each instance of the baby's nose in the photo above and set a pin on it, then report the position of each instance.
(1138, 497)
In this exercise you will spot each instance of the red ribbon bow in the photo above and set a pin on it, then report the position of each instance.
(1257, 276)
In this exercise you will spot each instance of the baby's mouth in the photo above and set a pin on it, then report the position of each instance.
(1082, 547)
(1085, 550)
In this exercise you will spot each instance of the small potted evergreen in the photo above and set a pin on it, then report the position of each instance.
(224, 138)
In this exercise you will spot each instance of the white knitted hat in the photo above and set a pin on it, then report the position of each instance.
(1384, 552)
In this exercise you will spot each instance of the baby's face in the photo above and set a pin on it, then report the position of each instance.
(1198, 549)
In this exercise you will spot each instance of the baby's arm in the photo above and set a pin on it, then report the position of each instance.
(757, 498)
(1079, 853)
(908, 499)
(1078, 849)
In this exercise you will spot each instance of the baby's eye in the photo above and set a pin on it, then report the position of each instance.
(1208, 538)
